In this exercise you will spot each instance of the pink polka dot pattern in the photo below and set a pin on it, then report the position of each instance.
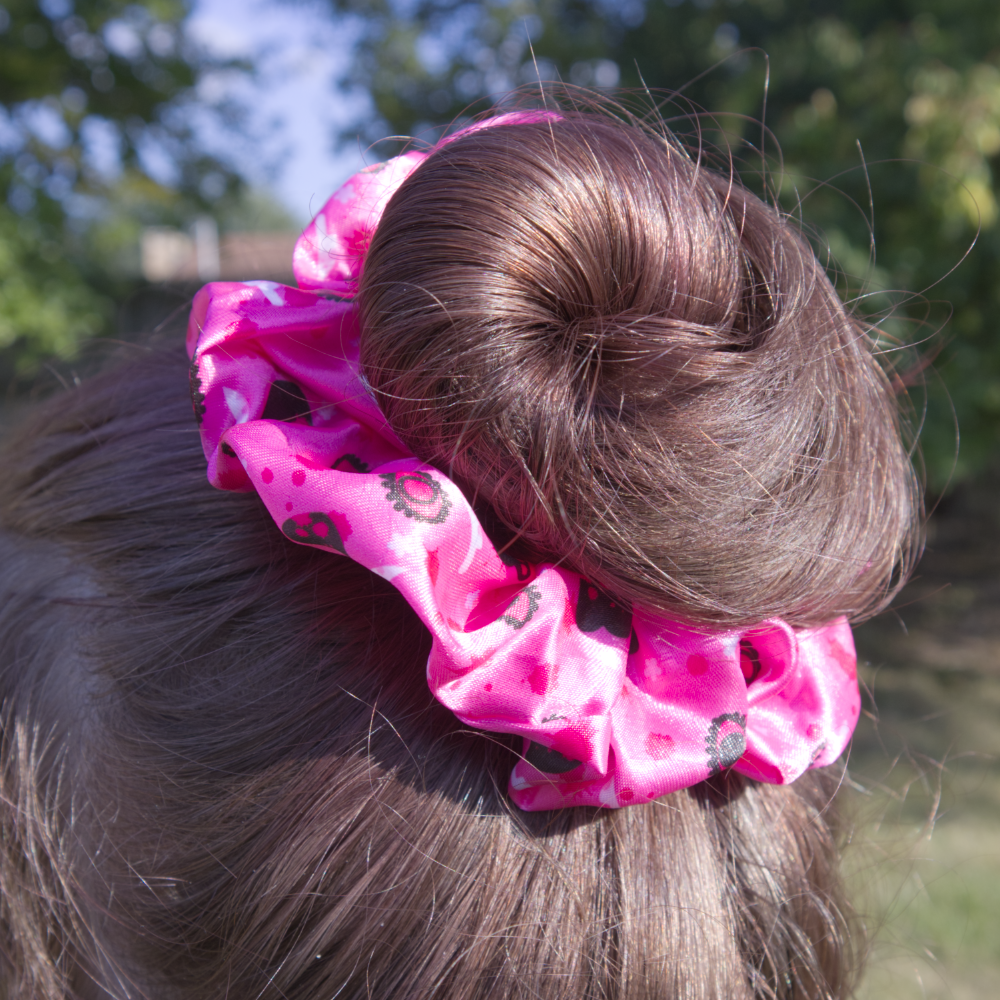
(615, 707)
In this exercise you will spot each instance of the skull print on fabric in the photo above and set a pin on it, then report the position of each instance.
(508, 559)
(595, 610)
(314, 528)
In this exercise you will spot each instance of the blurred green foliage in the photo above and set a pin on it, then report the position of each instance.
(882, 135)
(883, 121)
(96, 138)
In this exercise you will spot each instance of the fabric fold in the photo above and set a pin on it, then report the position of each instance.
(615, 707)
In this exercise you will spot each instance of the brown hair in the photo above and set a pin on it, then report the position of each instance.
(222, 773)
(642, 371)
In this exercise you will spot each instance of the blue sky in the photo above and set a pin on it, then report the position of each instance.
(295, 109)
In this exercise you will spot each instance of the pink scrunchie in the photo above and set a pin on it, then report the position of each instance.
(614, 707)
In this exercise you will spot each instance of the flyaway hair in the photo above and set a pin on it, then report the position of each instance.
(222, 773)
(639, 369)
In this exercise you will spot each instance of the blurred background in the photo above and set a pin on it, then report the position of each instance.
(148, 147)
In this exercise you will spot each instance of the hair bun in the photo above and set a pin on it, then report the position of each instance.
(642, 370)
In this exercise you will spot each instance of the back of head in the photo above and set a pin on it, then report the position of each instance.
(223, 773)
(641, 371)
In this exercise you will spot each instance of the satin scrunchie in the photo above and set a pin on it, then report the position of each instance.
(615, 707)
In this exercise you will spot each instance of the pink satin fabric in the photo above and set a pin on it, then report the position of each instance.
(615, 707)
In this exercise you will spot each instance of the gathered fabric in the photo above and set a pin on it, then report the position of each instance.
(615, 706)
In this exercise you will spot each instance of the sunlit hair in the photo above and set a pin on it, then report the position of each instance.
(222, 774)
(641, 371)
